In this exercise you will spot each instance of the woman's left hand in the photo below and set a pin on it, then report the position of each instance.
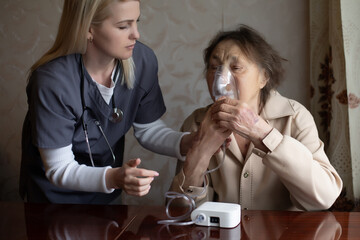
(241, 119)
(131, 179)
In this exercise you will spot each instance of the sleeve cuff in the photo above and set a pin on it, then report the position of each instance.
(178, 154)
(197, 193)
(105, 189)
(271, 141)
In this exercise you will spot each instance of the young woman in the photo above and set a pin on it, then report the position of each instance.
(84, 94)
(275, 159)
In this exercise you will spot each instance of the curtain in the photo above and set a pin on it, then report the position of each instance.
(335, 89)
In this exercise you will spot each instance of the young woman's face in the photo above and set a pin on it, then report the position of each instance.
(116, 36)
(248, 76)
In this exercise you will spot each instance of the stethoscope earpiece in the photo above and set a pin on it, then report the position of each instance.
(116, 116)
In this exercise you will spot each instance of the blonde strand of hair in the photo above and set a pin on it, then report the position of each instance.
(129, 73)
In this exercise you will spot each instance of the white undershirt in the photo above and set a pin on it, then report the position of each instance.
(63, 170)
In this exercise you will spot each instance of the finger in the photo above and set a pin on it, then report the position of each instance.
(132, 176)
(223, 102)
(235, 127)
(136, 184)
(143, 173)
(224, 131)
(141, 182)
(134, 162)
(223, 116)
(222, 109)
(227, 124)
(139, 193)
(139, 185)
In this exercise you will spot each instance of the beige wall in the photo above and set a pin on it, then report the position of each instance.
(177, 30)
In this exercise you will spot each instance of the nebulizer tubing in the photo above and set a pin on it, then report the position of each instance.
(188, 197)
(223, 85)
(176, 220)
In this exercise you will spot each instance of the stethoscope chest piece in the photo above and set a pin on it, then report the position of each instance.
(116, 116)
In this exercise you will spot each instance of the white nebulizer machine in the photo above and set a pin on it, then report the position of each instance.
(218, 214)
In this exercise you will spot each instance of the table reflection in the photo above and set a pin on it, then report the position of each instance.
(254, 225)
(149, 229)
(200, 233)
(273, 225)
(75, 222)
(140, 222)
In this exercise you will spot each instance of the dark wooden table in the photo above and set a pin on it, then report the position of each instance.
(54, 221)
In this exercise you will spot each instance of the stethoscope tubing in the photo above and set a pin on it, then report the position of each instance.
(96, 121)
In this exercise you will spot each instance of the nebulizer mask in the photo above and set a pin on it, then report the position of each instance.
(224, 84)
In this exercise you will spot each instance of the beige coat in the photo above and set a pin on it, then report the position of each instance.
(295, 175)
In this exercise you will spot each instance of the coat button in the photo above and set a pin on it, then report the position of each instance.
(246, 175)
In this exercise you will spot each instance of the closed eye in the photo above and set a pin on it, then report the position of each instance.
(127, 23)
(237, 68)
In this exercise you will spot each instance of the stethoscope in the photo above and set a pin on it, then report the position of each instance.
(115, 117)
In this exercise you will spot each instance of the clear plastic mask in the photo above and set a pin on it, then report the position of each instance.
(224, 84)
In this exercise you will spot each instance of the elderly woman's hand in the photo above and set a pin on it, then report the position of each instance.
(241, 119)
(207, 141)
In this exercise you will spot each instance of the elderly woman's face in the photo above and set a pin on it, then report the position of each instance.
(249, 78)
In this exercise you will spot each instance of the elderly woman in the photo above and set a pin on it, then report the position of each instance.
(275, 159)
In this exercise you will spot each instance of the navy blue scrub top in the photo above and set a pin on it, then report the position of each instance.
(53, 120)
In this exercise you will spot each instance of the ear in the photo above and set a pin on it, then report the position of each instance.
(264, 78)
(89, 34)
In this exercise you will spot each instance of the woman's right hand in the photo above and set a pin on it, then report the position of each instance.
(210, 136)
(207, 141)
(134, 181)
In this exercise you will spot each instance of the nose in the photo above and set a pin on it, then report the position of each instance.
(135, 32)
(224, 74)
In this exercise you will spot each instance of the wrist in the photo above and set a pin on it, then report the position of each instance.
(193, 177)
(196, 164)
(258, 143)
(260, 131)
(109, 178)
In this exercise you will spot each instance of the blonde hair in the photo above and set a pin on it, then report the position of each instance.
(76, 19)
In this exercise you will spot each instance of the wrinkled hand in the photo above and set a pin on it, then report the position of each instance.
(240, 118)
(211, 135)
(207, 141)
(188, 140)
(134, 181)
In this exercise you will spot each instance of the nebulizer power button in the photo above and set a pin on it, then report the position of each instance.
(200, 218)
